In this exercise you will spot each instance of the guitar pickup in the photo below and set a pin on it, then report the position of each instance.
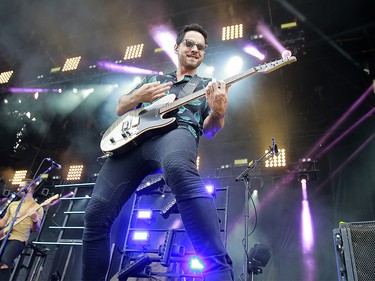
(125, 134)
(125, 125)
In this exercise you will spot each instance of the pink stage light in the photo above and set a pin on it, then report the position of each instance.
(270, 38)
(344, 134)
(341, 120)
(251, 50)
(31, 90)
(306, 222)
(347, 161)
(114, 67)
(165, 37)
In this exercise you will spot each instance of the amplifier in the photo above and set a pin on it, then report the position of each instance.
(355, 251)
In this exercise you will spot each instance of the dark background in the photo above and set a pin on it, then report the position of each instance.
(299, 105)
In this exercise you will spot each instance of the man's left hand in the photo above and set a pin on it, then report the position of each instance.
(217, 97)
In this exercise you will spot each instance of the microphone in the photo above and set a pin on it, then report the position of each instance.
(57, 165)
(274, 149)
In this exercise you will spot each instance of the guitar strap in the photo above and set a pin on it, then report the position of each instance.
(189, 87)
(27, 209)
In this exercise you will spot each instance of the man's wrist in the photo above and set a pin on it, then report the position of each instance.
(217, 115)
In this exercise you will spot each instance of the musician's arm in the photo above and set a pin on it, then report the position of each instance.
(217, 99)
(36, 217)
(127, 102)
(145, 93)
(213, 124)
(4, 220)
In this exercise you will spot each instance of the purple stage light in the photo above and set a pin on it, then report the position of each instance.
(270, 37)
(251, 50)
(165, 37)
(330, 131)
(306, 222)
(339, 138)
(114, 67)
(31, 90)
(210, 188)
(141, 236)
(144, 214)
(347, 160)
(196, 264)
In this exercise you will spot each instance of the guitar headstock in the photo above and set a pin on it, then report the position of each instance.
(273, 65)
(50, 200)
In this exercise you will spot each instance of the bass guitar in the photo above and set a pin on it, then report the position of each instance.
(4, 231)
(137, 125)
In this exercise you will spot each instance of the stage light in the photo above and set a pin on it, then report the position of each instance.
(141, 236)
(210, 188)
(288, 25)
(138, 268)
(134, 51)
(55, 69)
(74, 173)
(253, 51)
(5, 76)
(165, 38)
(144, 214)
(234, 65)
(169, 208)
(113, 67)
(258, 257)
(165, 250)
(306, 169)
(153, 184)
(19, 176)
(71, 64)
(232, 32)
(278, 160)
(196, 264)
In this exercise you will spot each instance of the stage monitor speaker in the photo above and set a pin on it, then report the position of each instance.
(355, 251)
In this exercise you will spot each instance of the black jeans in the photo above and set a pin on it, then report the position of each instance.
(175, 154)
(13, 249)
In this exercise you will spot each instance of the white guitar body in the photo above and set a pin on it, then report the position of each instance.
(132, 127)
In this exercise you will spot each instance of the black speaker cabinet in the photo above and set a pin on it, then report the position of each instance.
(355, 251)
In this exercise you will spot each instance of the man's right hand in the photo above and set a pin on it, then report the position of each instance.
(151, 91)
(146, 93)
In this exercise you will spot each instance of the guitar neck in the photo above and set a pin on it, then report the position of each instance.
(265, 68)
(198, 94)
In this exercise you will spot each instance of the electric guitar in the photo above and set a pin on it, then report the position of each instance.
(4, 231)
(137, 125)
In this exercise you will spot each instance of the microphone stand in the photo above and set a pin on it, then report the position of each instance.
(24, 191)
(245, 177)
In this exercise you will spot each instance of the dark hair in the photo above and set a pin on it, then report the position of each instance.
(28, 181)
(191, 27)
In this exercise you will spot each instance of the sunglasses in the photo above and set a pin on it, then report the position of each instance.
(190, 44)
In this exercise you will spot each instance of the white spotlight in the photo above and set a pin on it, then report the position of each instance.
(137, 80)
(234, 65)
